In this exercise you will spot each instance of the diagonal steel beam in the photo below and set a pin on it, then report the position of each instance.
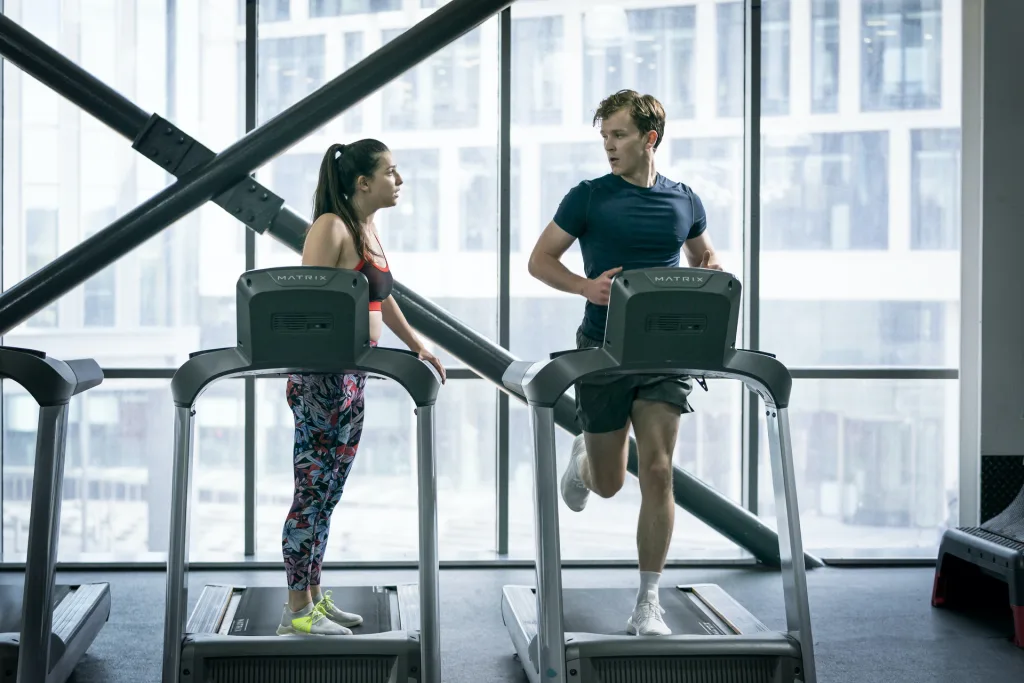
(263, 211)
(232, 166)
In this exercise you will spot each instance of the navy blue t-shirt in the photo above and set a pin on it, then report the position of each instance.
(621, 224)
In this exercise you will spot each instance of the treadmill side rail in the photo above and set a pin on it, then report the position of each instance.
(177, 549)
(551, 626)
(794, 574)
(44, 531)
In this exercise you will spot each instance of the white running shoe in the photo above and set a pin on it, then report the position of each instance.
(646, 618)
(574, 491)
(311, 620)
(338, 616)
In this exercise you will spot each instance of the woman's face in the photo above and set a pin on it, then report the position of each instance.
(384, 185)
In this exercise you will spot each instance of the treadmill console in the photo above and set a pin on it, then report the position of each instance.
(685, 316)
(302, 315)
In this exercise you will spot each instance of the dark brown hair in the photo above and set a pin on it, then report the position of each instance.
(646, 112)
(340, 169)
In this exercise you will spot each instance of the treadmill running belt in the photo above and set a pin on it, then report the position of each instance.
(259, 609)
(605, 611)
(10, 605)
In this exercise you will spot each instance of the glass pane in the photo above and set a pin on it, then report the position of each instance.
(440, 121)
(117, 494)
(877, 465)
(376, 519)
(860, 212)
(708, 448)
(901, 54)
(67, 176)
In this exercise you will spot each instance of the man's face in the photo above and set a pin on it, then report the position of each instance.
(624, 146)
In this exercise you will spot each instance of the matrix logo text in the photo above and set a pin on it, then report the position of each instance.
(301, 277)
(677, 278)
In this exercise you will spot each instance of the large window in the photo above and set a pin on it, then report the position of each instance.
(877, 464)
(537, 78)
(40, 249)
(634, 49)
(67, 177)
(901, 54)
(935, 188)
(859, 233)
(775, 56)
(827, 191)
(825, 56)
(860, 218)
(441, 92)
(289, 69)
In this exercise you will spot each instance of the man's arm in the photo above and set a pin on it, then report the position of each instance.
(545, 261)
(700, 252)
(546, 265)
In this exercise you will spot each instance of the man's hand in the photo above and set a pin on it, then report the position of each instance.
(707, 262)
(599, 289)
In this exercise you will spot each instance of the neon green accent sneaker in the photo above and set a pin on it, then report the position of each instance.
(336, 615)
(311, 620)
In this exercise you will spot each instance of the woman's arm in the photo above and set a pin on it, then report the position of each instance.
(397, 323)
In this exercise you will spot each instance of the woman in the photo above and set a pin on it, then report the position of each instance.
(355, 182)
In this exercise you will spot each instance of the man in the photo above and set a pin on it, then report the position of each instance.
(633, 217)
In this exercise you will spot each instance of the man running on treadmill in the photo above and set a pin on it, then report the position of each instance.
(634, 217)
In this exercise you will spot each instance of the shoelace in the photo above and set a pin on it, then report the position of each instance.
(319, 612)
(647, 610)
(326, 600)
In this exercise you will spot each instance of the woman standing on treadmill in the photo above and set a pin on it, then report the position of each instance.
(355, 182)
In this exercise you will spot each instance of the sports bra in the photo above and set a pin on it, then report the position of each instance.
(380, 279)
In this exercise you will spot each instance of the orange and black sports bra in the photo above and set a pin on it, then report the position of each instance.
(379, 279)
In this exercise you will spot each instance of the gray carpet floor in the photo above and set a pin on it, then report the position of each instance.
(870, 624)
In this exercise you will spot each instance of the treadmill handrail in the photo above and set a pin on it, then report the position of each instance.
(544, 382)
(417, 377)
(51, 382)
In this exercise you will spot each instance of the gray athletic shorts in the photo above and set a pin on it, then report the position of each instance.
(605, 406)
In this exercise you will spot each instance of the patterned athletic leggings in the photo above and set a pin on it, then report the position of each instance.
(328, 412)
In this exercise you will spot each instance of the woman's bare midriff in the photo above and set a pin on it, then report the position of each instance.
(349, 262)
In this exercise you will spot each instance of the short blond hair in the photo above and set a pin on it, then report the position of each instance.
(645, 110)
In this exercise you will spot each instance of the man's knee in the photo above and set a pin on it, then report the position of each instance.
(655, 473)
(606, 458)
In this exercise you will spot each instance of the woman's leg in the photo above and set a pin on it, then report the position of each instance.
(311, 402)
(310, 398)
(348, 417)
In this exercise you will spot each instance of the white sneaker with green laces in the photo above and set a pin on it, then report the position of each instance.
(311, 620)
(338, 616)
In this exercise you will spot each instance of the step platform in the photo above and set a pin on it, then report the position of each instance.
(974, 563)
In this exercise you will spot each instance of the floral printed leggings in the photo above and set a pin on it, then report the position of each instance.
(328, 412)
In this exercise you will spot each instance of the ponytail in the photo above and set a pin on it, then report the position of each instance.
(339, 169)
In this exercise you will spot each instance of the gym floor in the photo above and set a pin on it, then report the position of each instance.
(872, 624)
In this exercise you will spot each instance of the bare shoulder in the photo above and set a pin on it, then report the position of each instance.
(327, 242)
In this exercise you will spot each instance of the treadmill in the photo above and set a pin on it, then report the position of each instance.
(660, 321)
(38, 643)
(308, 320)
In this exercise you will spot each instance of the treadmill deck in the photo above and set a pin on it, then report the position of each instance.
(713, 638)
(80, 612)
(232, 636)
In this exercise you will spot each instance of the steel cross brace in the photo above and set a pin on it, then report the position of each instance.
(263, 211)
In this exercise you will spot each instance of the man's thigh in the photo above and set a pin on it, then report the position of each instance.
(655, 413)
